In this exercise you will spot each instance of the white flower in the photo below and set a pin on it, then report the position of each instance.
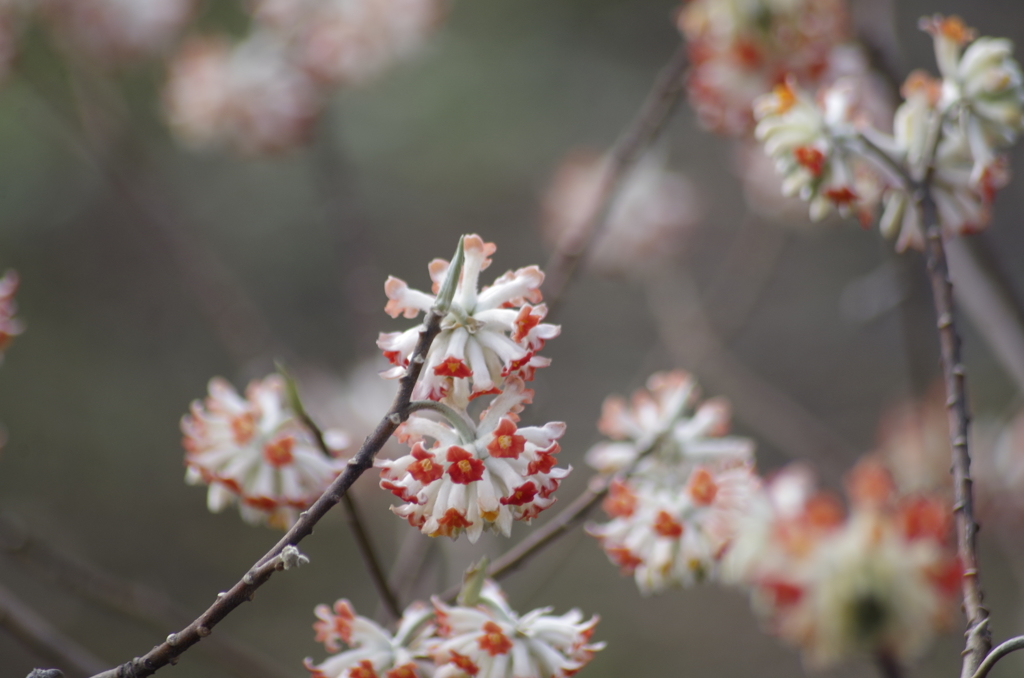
(490, 640)
(501, 473)
(253, 450)
(669, 409)
(811, 145)
(487, 334)
(882, 580)
(374, 652)
(674, 535)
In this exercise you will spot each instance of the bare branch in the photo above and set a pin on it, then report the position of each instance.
(25, 624)
(979, 640)
(169, 651)
(636, 138)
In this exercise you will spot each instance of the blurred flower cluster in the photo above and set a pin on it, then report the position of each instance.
(487, 639)
(484, 474)
(949, 132)
(263, 93)
(254, 451)
(686, 506)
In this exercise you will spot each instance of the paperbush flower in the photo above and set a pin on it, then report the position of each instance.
(651, 215)
(882, 579)
(811, 145)
(669, 534)
(962, 196)
(674, 511)
(249, 96)
(487, 334)
(343, 42)
(490, 640)
(690, 433)
(254, 450)
(505, 472)
(374, 652)
(740, 49)
(10, 326)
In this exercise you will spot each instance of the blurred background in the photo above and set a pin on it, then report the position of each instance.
(149, 265)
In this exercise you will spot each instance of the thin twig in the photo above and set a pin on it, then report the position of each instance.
(634, 141)
(169, 651)
(997, 653)
(42, 638)
(131, 599)
(355, 523)
(979, 640)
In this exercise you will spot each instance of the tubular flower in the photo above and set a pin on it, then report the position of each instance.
(490, 640)
(739, 49)
(669, 534)
(10, 326)
(374, 652)
(249, 96)
(963, 203)
(503, 472)
(881, 580)
(811, 145)
(674, 513)
(487, 335)
(254, 450)
(666, 416)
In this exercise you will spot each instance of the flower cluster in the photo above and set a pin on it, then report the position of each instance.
(649, 218)
(476, 476)
(487, 639)
(740, 49)
(951, 131)
(473, 475)
(254, 451)
(263, 93)
(882, 579)
(685, 483)
(10, 326)
(487, 334)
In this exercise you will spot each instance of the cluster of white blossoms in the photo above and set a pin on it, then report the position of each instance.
(683, 483)
(740, 49)
(952, 131)
(652, 213)
(10, 326)
(473, 475)
(263, 93)
(883, 579)
(487, 640)
(255, 452)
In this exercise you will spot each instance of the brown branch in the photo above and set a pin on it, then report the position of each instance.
(352, 517)
(979, 640)
(177, 643)
(634, 141)
(37, 634)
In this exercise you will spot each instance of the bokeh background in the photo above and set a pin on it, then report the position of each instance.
(148, 268)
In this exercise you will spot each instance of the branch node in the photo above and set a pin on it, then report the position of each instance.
(248, 579)
(172, 639)
(203, 631)
(395, 418)
(291, 557)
